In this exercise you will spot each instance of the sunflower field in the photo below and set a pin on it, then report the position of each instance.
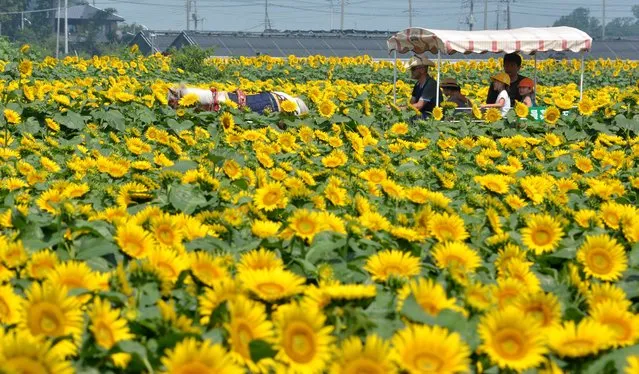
(140, 238)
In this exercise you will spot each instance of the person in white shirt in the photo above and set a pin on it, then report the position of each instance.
(501, 82)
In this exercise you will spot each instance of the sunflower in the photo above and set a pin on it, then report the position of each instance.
(288, 106)
(602, 257)
(494, 182)
(370, 357)
(258, 260)
(506, 291)
(227, 121)
(373, 175)
(374, 221)
(519, 270)
(456, 255)
(265, 228)
(207, 268)
(632, 365)
(78, 275)
(8, 302)
(270, 196)
(430, 349)
(521, 110)
(41, 263)
(331, 222)
(134, 240)
(544, 307)
(168, 263)
(302, 340)
(20, 352)
(166, 231)
(11, 116)
(477, 112)
(614, 315)
(603, 292)
(248, 322)
(586, 107)
(327, 108)
(272, 284)
(438, 113)
(392, 263)
(106, 325)
(221, 291)
(189, 99)
(399, 128)
(445, 227)
(579, 340)
(551, 115)
(191, 356)
(492, 115)
(430, 296)
(542, 233)
(305, 224)
(49, 311)
(478, 296)
(512, 340)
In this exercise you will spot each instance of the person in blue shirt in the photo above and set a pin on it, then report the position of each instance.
(423, 97)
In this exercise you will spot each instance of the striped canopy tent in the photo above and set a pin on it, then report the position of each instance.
(527, 40)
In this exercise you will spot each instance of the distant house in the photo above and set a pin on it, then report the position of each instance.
(85, 20)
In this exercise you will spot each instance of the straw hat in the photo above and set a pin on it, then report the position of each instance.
(417, 61)
(449, 83)
(501, 77)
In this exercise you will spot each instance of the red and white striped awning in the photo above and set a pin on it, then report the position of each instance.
(527, 40)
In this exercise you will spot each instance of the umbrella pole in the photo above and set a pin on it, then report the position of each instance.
(439, 66)
(581, 79)
(395, 77)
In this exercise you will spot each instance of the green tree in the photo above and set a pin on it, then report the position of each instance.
(10, 23)
(580, 18)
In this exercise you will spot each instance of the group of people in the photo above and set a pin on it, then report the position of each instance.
(506, 88)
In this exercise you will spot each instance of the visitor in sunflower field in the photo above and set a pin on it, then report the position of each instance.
(423, 97)
(500, 83)
(527, 92)
(512, 65)
(453, 94)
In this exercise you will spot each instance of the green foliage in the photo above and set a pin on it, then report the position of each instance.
(190, 58)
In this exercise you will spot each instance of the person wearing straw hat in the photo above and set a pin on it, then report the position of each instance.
(501, 81)
(453, 94)
(423, 97)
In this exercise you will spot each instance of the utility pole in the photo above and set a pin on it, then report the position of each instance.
(195, 19)
(485, 14)
(188, 15)
(471, 17)
(341, 18)
(410, 13)
(603, 21)
(498, 12)
(21, 20)
(267, 21)
(508, 14)
(57, 33)
(66, 27)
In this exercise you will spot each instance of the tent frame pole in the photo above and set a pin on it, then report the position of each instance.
(439, 67)
(581, 78)
(535, 78)
(395, 77)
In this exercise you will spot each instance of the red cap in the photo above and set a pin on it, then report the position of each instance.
(526, 82)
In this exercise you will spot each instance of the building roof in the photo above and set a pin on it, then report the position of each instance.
(88, 12)
(351, 43)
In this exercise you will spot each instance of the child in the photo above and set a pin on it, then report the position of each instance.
(501, 82)
(527, 92)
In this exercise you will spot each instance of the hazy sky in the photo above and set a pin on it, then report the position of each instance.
(248, 15)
